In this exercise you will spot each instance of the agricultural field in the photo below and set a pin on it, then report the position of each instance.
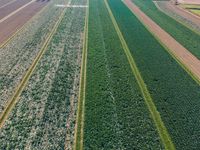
(174, 92)
(179, 14)
(17, 56)
(98, 75)
(44, 117)
(181, 33)
(112, 96)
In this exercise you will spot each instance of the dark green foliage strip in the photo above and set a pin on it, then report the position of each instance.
(116, 116)
(174, 92)
(188, 38)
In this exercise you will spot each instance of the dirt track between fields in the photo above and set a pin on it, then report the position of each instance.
(9, 26)
(189, 60)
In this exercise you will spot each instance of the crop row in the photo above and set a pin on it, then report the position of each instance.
(44, 117)
(116, 116)
(18, 55)
(174, 92)
(181, 33)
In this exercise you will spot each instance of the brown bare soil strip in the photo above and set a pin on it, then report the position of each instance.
(14, 23)
(12, 7)
(180, 11)
(189, 12)
(2, 6)
(182, 54)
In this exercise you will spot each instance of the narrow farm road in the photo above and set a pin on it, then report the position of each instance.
(163, 133)
(188, 61)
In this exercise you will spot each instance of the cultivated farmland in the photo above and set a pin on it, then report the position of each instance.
(17, 56)
(174, 92)
(182, 34)
(47, 106)
(98, 74)
(112, 95)
(179, 14)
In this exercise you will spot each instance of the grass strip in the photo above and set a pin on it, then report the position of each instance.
(78, 140)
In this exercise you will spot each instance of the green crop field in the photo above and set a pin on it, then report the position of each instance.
(174, 92)
(89, 75)
(113, 97)
(182, 34)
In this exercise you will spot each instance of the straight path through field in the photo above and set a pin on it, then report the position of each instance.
(163, 133)
(21, 86)
(189, 62)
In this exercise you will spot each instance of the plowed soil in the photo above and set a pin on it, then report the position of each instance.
(15, 22)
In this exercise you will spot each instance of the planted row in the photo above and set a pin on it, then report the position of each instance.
(175, 94)
(17, 56)
(116, 116)
(185, 36)
(44, 117)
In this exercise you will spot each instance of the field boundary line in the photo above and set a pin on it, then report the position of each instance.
(162, 130)
(79, 127)
(178, 60)
(6, 42)
(14, 99)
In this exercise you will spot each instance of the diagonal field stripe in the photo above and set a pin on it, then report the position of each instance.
(14, 12)
(8, 3)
